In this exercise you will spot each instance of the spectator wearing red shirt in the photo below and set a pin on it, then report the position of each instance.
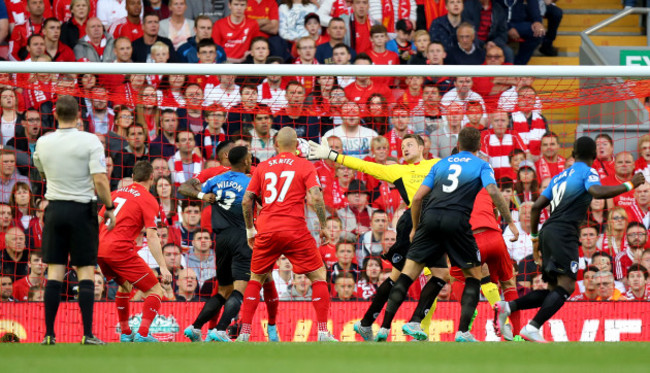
(551, 162)
(325, 168)
(380, 55)
(22, 31)
(74, 23)
(335, 193)
(358, 26)
(306, 47)
(637, 237)
(604, 162)
(637, 279)
(19, 11)
(587, 290)
(412, 95)
(58, 51)
(36, 276)
(129, 26)
(64, 10)
(638, 211)
(235, 32)
(642, 164)
(363, 86)
(498, 142)
(623, 171)
(527, 121)
(333, 233)
(401, 120)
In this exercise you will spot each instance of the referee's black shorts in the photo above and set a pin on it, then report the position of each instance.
(443, 232)
(233, 256)
(70, 228)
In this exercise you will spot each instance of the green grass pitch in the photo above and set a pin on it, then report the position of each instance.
(522, 357)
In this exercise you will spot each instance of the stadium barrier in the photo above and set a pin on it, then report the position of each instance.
(576, 321)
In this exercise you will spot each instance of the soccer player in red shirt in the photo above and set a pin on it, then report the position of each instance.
(235, 32)
(282, 183)
(135, 209)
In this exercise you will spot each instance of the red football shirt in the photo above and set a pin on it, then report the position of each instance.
(235, 39)
(328, 253)
(135, 209)
(483, 213)
(360, 95)
(362, 36)
(18, 14)
(123, 27)
(264, 9)
(385, 58)
(282, 182)
(623, 200)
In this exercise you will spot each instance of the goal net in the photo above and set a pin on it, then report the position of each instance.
(140, 113)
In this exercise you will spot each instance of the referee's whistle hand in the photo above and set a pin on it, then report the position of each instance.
(109, 218)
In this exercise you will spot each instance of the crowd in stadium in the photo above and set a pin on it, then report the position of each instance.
(184, 124)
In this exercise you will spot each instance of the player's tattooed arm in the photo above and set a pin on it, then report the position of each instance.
(247, 208)
(503, 208)
(321, 211)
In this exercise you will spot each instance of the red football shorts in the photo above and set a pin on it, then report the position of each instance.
(298, 246)
(131, 269)
(494, 253)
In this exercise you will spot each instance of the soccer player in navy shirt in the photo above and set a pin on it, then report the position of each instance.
(569, 195)
(451, 187)
(232, 251)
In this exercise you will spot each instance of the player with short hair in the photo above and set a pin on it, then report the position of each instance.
(569, 195)
(135, 209)
(232, 251)
(407, 178)
(282, 183)
(452, 186)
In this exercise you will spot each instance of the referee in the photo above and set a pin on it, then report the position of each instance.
(71, 160)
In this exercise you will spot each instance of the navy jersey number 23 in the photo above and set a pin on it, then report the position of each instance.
(229, 189)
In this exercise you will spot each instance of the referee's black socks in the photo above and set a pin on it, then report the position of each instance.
(427, 296)
(86, 303)
(395, 299)
(378, 302)
(468, 302)
(52, 298)
(553, 302)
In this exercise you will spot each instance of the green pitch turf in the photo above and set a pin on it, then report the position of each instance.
(521, 357)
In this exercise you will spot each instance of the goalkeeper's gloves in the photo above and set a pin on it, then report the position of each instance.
(321, 151)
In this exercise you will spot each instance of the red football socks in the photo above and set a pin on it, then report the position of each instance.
(149, 311)
(510, 294)
(320, 298)
(271, 299)
(248, 308)
(122, 303)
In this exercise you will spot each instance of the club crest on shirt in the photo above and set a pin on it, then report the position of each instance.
(574, 266)
(396, 258)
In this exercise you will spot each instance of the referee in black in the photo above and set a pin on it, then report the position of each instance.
(71, 161)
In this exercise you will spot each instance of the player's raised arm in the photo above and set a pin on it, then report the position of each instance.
(602, 191)
(153, 241)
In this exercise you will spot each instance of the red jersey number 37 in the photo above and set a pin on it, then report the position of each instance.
(271, 181)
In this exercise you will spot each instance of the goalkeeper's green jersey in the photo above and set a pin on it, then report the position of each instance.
(407, 178)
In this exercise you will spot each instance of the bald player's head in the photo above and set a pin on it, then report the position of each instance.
(286, 140)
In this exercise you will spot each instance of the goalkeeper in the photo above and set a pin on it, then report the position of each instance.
(407, 178)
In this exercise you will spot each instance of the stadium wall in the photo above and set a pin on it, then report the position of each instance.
(576, 321)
